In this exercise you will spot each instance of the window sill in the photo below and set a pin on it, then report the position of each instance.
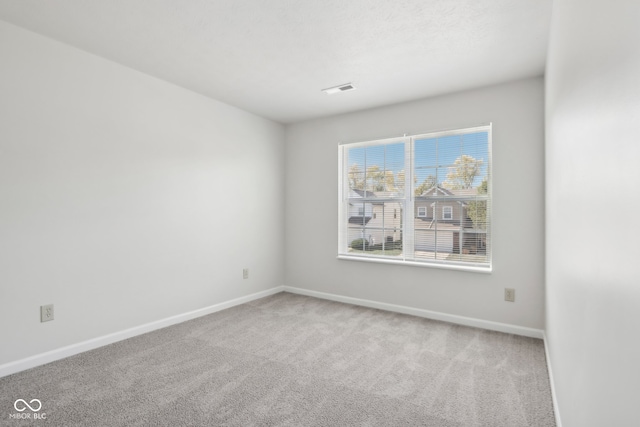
(430, 264)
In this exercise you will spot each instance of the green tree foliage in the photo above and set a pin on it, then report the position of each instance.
(356, 177)
(389, 181)
(463, 172)
(379, 180)
(428, 183)
(400, 181)
(477, 211)
(375, 178)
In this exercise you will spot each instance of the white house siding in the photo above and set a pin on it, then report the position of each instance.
(430, 240)
(355, 206)
(354, 209)
(380, 226)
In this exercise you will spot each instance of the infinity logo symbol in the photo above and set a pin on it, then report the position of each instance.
(26, 405)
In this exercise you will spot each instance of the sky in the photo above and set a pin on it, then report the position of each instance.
(432, 156)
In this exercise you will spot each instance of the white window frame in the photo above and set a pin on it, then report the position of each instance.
(444, 216)
(424, 214)
(407, 204)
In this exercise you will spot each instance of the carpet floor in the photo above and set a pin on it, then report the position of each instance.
(291, 360)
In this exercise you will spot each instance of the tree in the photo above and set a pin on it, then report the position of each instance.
(428, 183)
(356, 177)
(463, 173)
(477, 211)
(389, 181)
(400, 181)
(375, 178)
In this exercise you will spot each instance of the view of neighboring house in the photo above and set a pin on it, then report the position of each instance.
(442, 222)
(375, 221)
(361, 213)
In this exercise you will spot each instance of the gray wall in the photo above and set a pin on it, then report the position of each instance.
(593, 207)
(124, 199)
(516, 110)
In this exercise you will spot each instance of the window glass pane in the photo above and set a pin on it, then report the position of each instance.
(451, 185)
(445, 213)
(425, 179)
(378, 234)
(377, 170)
(355, 174)
(472, 248)
(455, 162)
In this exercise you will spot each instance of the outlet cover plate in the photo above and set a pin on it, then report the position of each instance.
(46, 313)
(509, 294)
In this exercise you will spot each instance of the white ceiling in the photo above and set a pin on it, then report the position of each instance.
(273, 57)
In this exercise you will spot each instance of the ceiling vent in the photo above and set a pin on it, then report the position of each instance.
(341, 88)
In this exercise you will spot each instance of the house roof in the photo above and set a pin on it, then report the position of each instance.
(374, 195)
(451, 192)
(359, 220)
(465, 192)
(361, 193)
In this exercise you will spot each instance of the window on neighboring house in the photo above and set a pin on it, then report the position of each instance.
(360, 211)
(447, 212)
(438, 171)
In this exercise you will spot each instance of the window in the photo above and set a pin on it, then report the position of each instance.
(405, 179)
(447, 212)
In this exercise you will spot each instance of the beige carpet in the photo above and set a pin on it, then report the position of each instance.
(290, 360)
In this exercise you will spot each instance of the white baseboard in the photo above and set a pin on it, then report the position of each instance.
(70, 350)
(435, 315)
(556, 410)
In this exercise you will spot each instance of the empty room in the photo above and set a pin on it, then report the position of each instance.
(319, 213)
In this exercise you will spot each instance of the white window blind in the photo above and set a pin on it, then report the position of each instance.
(422, 199)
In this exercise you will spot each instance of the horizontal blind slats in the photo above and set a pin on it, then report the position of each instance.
(446, 210)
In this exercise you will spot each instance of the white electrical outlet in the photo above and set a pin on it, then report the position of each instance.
(46, 313)
(245, 273)
(509, 294)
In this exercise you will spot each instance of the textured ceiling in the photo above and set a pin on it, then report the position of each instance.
(273, 57)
